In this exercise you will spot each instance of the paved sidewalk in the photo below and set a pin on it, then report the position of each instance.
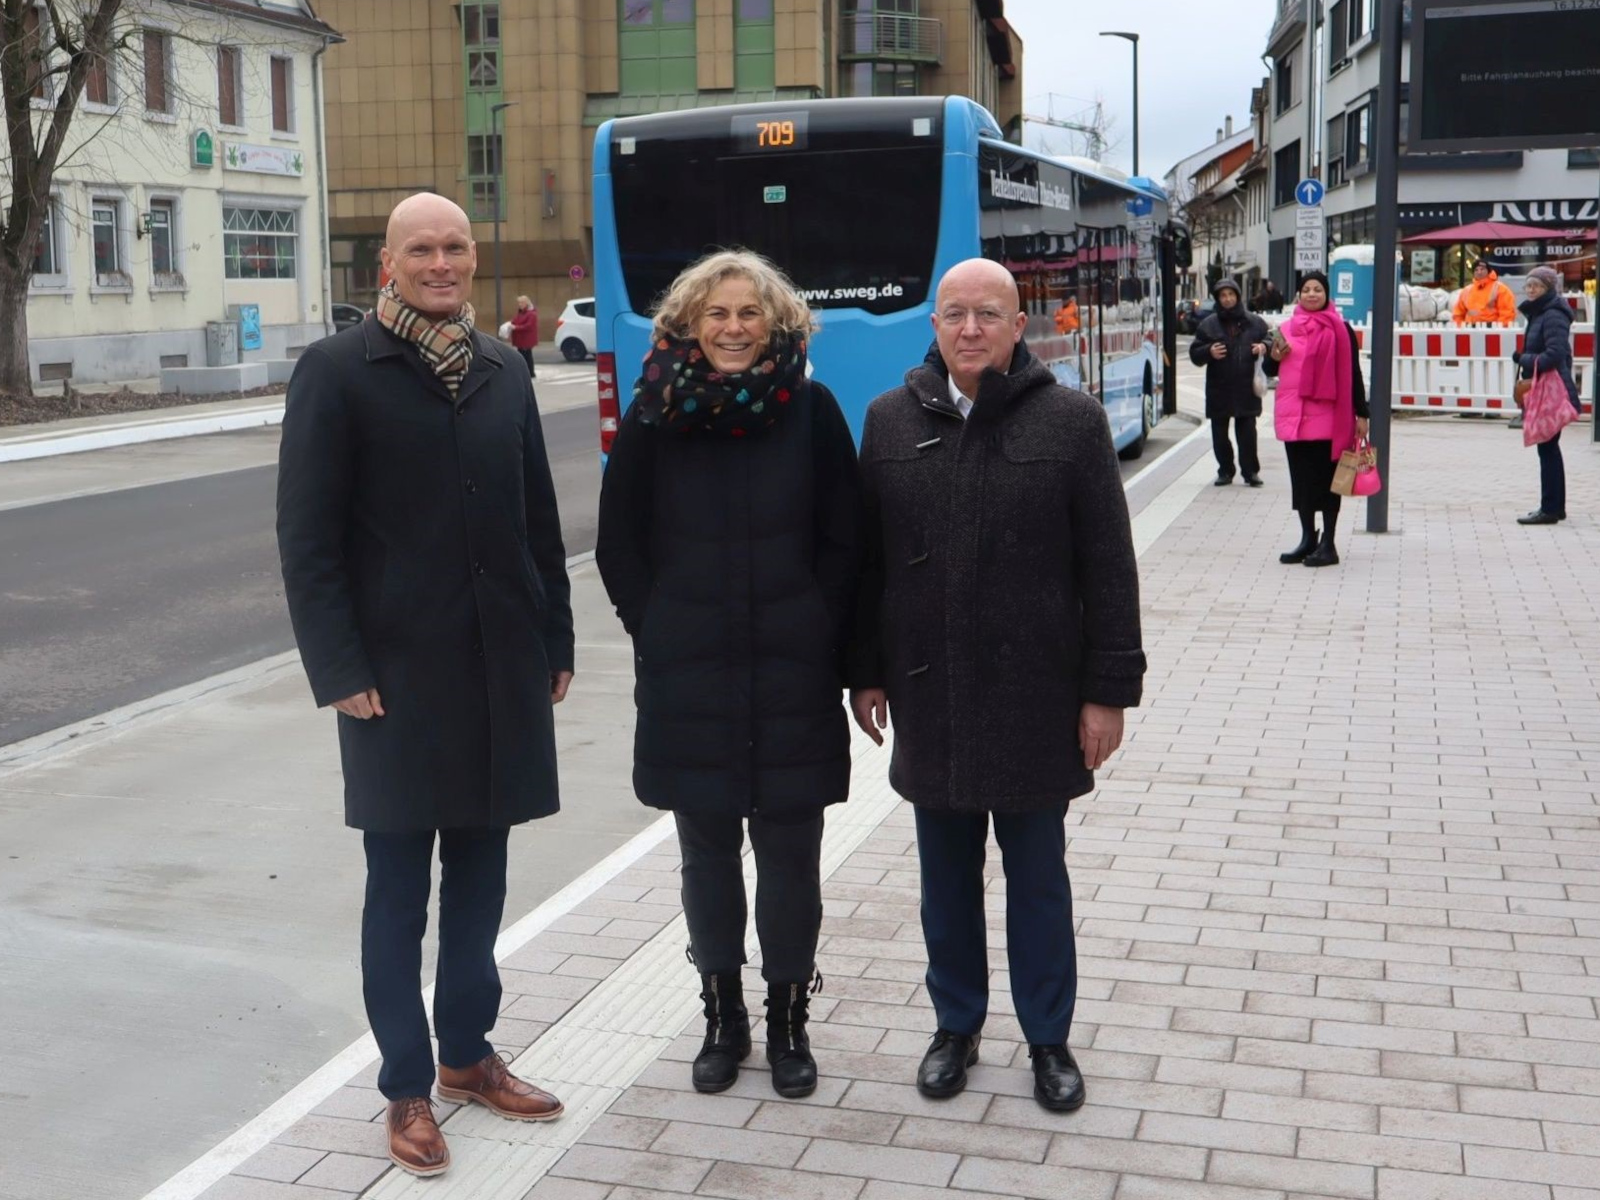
(1338, 906)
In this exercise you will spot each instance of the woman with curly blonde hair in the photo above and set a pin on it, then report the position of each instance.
(729, 538)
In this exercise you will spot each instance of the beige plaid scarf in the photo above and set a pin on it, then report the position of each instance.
(445, 346)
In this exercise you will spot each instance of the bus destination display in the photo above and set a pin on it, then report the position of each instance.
(762, 133)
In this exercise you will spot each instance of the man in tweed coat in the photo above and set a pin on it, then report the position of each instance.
(1000, 627)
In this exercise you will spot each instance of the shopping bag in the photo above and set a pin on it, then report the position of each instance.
(1357, 472)
(1547, 410)
(1258, 383)
(505, 331)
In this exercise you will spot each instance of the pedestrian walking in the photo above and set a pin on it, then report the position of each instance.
(1229, 344)
(525, 331)
(1320, 411)
(1000, 633)
(427, 584)
(1547, 346)
(1485, 301)
(1067, 318)
(1268, 299)
(729, 543)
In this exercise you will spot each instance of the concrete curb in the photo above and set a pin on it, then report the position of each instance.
(135, 429)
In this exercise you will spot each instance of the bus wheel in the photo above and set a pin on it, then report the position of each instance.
(1135, 449)
(573, 350)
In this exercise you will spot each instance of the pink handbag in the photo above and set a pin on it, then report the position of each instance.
(1547, 410)
(1357, 472)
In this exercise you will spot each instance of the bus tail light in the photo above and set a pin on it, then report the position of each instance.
(605, 369)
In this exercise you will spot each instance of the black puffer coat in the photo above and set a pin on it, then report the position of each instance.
(733, 563)
(1001, 590)
(1547, 344)
(1230, 381)
(422, 555)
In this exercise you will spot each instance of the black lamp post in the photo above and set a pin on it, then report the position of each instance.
(1134, 39)
(499, 194)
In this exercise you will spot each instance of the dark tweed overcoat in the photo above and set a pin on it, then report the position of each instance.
(1001, 588)
(422, 555)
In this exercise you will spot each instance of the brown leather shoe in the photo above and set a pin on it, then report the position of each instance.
(492, 1085)
(415, 1143)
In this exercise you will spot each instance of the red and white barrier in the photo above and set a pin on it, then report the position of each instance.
(1444, 369)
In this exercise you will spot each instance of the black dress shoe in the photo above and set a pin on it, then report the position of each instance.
(1308, 543)
(1539, 517)
(1057, 1082)
(943, 1072)
(1253, 480)
(1222, 480)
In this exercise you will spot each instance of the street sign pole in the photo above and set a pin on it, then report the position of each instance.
(1310, 227)
(1380, 395)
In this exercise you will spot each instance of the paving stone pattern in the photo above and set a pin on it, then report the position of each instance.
(1338, 905)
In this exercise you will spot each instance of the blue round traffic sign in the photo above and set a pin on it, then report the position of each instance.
(1310, 192)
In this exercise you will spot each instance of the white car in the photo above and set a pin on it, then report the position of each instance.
(575, 330)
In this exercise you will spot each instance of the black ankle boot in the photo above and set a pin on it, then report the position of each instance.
(794, 1071)
(1325, 555)
(727, 1041)
(1308, 543)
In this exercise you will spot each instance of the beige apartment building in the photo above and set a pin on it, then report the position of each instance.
(496, 104)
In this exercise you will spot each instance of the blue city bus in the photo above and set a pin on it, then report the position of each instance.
(866, 203)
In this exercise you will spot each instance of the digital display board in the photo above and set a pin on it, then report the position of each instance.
(1504, 74)
(763, 133)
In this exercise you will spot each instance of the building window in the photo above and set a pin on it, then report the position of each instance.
(98, 85)
(1285, 174)
(1285, 82)
(1585, 158)
(483, 154)
(163, 249)
(1358, 141)
(483, 199)
(35, 51)
(105, 225)
(656, 48)
(1335, 143)
(1360, 19)
(157, 71)
(879, 79)
(230, 85)
(483, 68)
(1338, 38)
(480, 24)
(47, 257)
(754, 46)
(282, 95)
(259, 243)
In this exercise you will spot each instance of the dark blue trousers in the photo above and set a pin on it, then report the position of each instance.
(1552, 478)
(466, 998)
(1039, 940)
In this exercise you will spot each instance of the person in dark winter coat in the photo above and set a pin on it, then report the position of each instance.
(1319, 412)
(729, 542)
(1228, 345)
(1547, 346)
(1000, 630)
(427, 585)
(1268, 299)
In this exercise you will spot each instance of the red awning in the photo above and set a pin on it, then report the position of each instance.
(1488, 231)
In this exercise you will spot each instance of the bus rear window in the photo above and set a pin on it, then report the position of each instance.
(852, 228)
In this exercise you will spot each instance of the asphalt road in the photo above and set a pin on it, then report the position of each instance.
(110, 598)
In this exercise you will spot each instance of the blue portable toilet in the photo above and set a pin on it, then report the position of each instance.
(1350, 276)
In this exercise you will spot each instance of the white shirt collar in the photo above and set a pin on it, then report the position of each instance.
(959, 399)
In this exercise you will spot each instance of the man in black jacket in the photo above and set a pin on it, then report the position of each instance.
(427, 584)
(1228, 345)
(1000, 625)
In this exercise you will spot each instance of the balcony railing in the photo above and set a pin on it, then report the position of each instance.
(881, 37)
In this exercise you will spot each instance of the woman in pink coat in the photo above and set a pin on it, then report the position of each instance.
(1320, 411)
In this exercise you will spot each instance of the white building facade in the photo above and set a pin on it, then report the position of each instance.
(1322, 107)
(192, 190)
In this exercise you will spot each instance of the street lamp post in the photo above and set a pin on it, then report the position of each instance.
(499, 191)
(1134, 39)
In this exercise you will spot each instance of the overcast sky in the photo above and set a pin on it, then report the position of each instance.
(1197, 64)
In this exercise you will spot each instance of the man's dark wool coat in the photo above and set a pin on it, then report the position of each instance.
(422, 555)
(1230, 381)
(1001, 590)
(733, 563)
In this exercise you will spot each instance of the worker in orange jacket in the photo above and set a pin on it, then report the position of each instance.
(1485, 301)
(1067, 320)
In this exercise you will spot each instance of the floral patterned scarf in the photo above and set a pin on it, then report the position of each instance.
(446, 346)
(681, 390)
